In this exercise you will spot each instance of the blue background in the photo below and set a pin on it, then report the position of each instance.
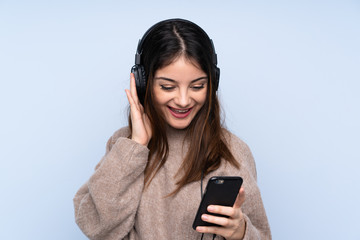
(289, 87)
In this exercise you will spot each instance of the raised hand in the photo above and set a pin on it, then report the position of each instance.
(232, 228)
(141, 128)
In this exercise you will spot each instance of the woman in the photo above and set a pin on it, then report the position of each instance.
(147, 186)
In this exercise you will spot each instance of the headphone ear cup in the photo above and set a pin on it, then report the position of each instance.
(140, 81)
(217, 78)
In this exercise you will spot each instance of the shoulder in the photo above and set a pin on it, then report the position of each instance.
(123, 132)
(235, 143)
(240, 151)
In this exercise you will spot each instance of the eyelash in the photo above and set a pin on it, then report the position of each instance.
(198, 87)
(171, 88)
(166, 88)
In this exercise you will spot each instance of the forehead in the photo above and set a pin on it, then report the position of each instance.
(181, 68)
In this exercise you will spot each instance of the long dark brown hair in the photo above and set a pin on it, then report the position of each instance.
(167, 41)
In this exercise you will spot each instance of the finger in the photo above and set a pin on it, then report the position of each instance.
(227, 211)
(129, 97)
(222, 221)
(240, 199)
(134, 108)
(133, 88)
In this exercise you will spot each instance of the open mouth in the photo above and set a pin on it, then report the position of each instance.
(179, 112)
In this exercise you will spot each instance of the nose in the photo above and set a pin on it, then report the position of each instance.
(183, 98)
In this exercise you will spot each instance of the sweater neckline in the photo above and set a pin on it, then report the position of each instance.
(173, 132)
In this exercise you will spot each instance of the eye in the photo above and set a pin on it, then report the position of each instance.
(198, 86)
(167, 88)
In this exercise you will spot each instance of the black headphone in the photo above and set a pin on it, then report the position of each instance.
(139, 71)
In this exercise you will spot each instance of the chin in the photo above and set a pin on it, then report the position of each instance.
(179, 126)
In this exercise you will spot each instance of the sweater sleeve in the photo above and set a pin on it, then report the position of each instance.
(257, 226)
(105, 206)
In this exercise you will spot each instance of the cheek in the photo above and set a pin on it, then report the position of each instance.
(201, 98)
(159, 104)
(159, 99)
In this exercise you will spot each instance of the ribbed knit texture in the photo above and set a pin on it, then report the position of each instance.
(112, 204)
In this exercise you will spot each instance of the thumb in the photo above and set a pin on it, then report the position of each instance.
(240, 198)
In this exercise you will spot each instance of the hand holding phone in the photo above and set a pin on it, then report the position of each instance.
(220, 190)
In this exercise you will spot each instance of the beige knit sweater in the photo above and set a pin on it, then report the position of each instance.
(112, 204)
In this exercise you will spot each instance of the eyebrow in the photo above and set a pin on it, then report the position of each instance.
(172, 80)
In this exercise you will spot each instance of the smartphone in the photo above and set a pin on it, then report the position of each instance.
(220, 190)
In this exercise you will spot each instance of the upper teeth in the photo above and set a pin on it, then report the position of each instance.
(180, 111)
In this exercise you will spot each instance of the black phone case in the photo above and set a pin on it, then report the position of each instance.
(220, 190)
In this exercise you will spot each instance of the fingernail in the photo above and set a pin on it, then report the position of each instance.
(204, 217)
(211, 208)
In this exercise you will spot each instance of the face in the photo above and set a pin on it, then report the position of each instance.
(180, 91)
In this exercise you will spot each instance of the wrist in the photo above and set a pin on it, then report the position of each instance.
(141, 141)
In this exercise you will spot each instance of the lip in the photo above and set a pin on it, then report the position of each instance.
(175, 112)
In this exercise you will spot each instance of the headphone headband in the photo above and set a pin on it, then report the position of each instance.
(141, 41)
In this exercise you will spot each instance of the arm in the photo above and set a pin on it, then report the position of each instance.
(257, 225)
(247, 218)
(105, 207)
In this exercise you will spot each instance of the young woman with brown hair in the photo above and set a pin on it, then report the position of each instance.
(147, 184)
